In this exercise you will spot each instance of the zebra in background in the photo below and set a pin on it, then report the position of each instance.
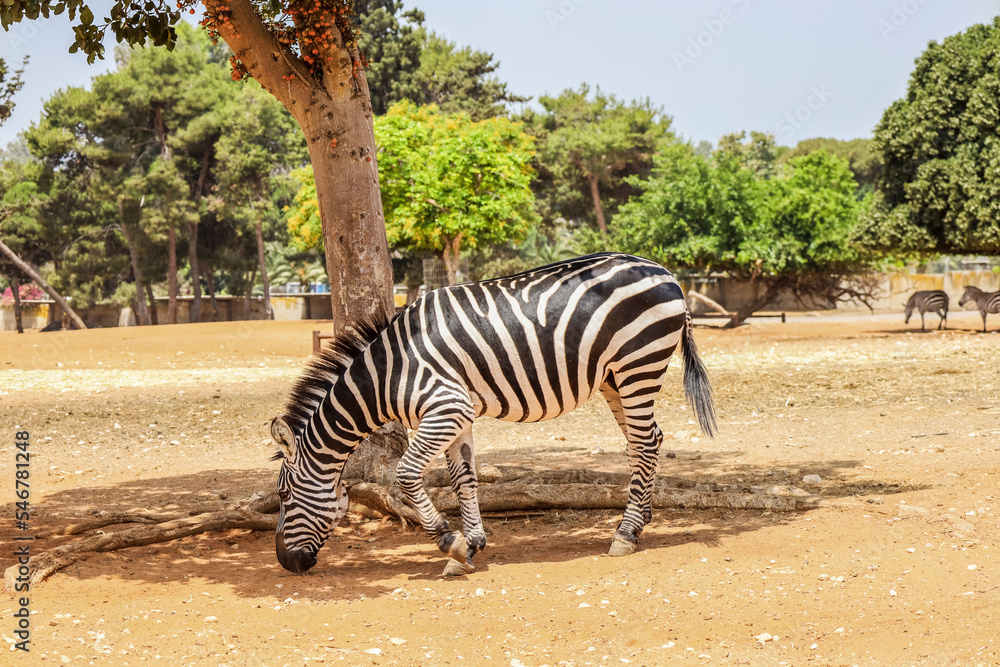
(525, 348)
(929, 301)
(988, 302)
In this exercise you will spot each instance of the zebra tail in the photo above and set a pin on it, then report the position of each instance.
(696, 385)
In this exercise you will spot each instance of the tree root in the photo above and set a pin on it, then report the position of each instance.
(513, 489)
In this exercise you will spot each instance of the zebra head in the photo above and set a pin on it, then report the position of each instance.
(968, 295)
(908, 309)
(311, 501)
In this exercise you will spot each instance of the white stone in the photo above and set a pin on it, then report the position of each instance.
(812, 479)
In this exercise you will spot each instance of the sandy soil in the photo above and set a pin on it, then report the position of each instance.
(898, 566)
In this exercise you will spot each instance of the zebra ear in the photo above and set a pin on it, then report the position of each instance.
(284, 436)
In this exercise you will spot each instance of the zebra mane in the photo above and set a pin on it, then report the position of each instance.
(325, 368)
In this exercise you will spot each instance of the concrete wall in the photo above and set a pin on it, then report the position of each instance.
(230, 309)
(895, 290)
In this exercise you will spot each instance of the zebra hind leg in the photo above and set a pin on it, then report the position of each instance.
(634, 414)
(462, 470)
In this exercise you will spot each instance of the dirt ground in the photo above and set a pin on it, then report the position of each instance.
(900, 564)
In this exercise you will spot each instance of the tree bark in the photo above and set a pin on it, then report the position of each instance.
(210, 281)
(133, 254)
(598, 208)
(262, 264)
(194, 314)
(32, 273)
(248, 295)
(171, 274)
(154, 316)
(450, 257)
(15, 288)
(192, 228)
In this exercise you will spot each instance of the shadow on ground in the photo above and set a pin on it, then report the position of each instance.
(363, 555)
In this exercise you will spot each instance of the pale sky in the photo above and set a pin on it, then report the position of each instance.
(795, 69)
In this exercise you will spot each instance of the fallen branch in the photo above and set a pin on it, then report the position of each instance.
(45, 564)
(714, 305)
(517, 496)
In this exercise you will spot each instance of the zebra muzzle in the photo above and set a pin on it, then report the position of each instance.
(294, 560)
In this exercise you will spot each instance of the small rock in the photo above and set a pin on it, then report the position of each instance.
(480, 592)
(892, 593)
(583, 605)
(812, 479)
(972, 567)
(824, 577)
(373, 651)
(211, 619)
(764, 637)
(559, 437)
(175, 442)
(396, 641)
(597, 450)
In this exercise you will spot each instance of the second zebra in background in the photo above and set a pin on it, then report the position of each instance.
(988, 302)
(928, 301)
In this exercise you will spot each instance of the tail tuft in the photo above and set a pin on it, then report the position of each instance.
(697, 388)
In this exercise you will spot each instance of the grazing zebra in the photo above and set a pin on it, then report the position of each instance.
(929, 301)
(988, 302)
(524, 348)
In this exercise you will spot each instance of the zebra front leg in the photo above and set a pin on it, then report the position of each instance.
(462, 470)
(434, 435)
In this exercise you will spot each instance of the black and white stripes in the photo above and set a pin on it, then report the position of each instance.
(988, 302)
(525, 348)
(928, 301)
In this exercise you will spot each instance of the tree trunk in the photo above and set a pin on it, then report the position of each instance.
(248, 295)
(171, 274)
(335, 113)
(133, 255)
(210, 280)
(195, 313)
(32, 273)
(199, 191)
(596, 195)
(450, 257)
(262, 265)
(154, 316)
(15, 288)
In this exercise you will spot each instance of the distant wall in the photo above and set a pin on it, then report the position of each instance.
(39, 314)
(894, 289)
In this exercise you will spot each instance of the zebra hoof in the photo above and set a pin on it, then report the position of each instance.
(454, 568)
(620, 547)
(459, 549)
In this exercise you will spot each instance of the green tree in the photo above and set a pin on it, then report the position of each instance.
(864, 164)
(940, 186)
(460, 80)
(258, 146)
(791, 232)
(448, 182)
(588, 147)
(10, 83)
(392, 41)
